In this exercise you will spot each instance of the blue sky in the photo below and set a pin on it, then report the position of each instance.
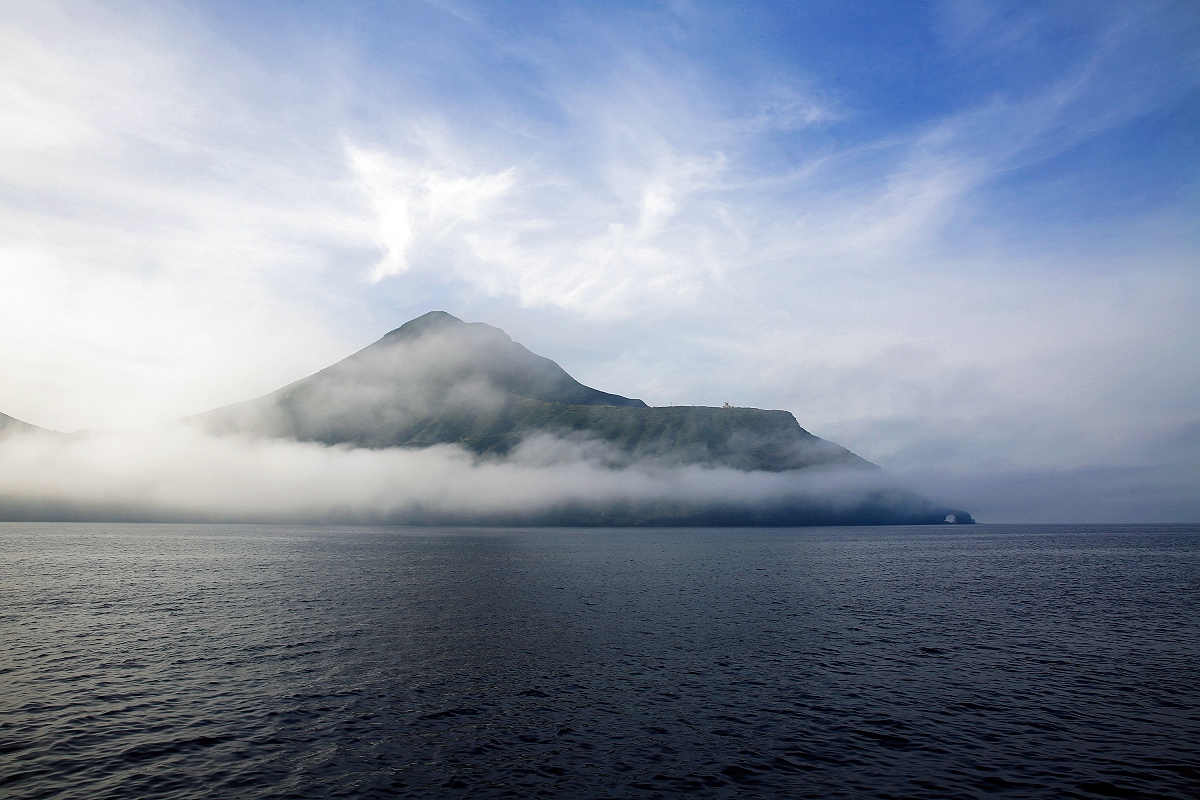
(959, 238)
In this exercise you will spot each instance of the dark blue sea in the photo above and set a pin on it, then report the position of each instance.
(208, 661)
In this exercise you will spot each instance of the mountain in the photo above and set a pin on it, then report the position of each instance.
(439, 380)
(10, 425)
(434, 380)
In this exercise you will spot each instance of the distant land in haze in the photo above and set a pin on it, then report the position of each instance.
(9, 425)
(440, 381)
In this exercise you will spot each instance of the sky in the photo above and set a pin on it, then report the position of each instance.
(961, 239)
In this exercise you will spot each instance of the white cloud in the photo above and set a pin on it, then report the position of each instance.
(416, 201)
(144, 232)
(645, 234)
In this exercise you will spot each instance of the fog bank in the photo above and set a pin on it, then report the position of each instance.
(176, 473)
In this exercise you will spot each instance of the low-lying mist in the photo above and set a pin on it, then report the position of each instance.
(177, 473)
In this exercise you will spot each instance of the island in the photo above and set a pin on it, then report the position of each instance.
(440, 380)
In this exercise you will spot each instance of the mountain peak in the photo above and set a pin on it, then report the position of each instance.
(432, 322)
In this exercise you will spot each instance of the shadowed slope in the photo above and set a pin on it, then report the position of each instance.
(739, 438)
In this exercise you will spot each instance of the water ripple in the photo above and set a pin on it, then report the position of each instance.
(274, 662)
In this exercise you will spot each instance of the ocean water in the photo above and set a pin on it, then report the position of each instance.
(266, 662)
